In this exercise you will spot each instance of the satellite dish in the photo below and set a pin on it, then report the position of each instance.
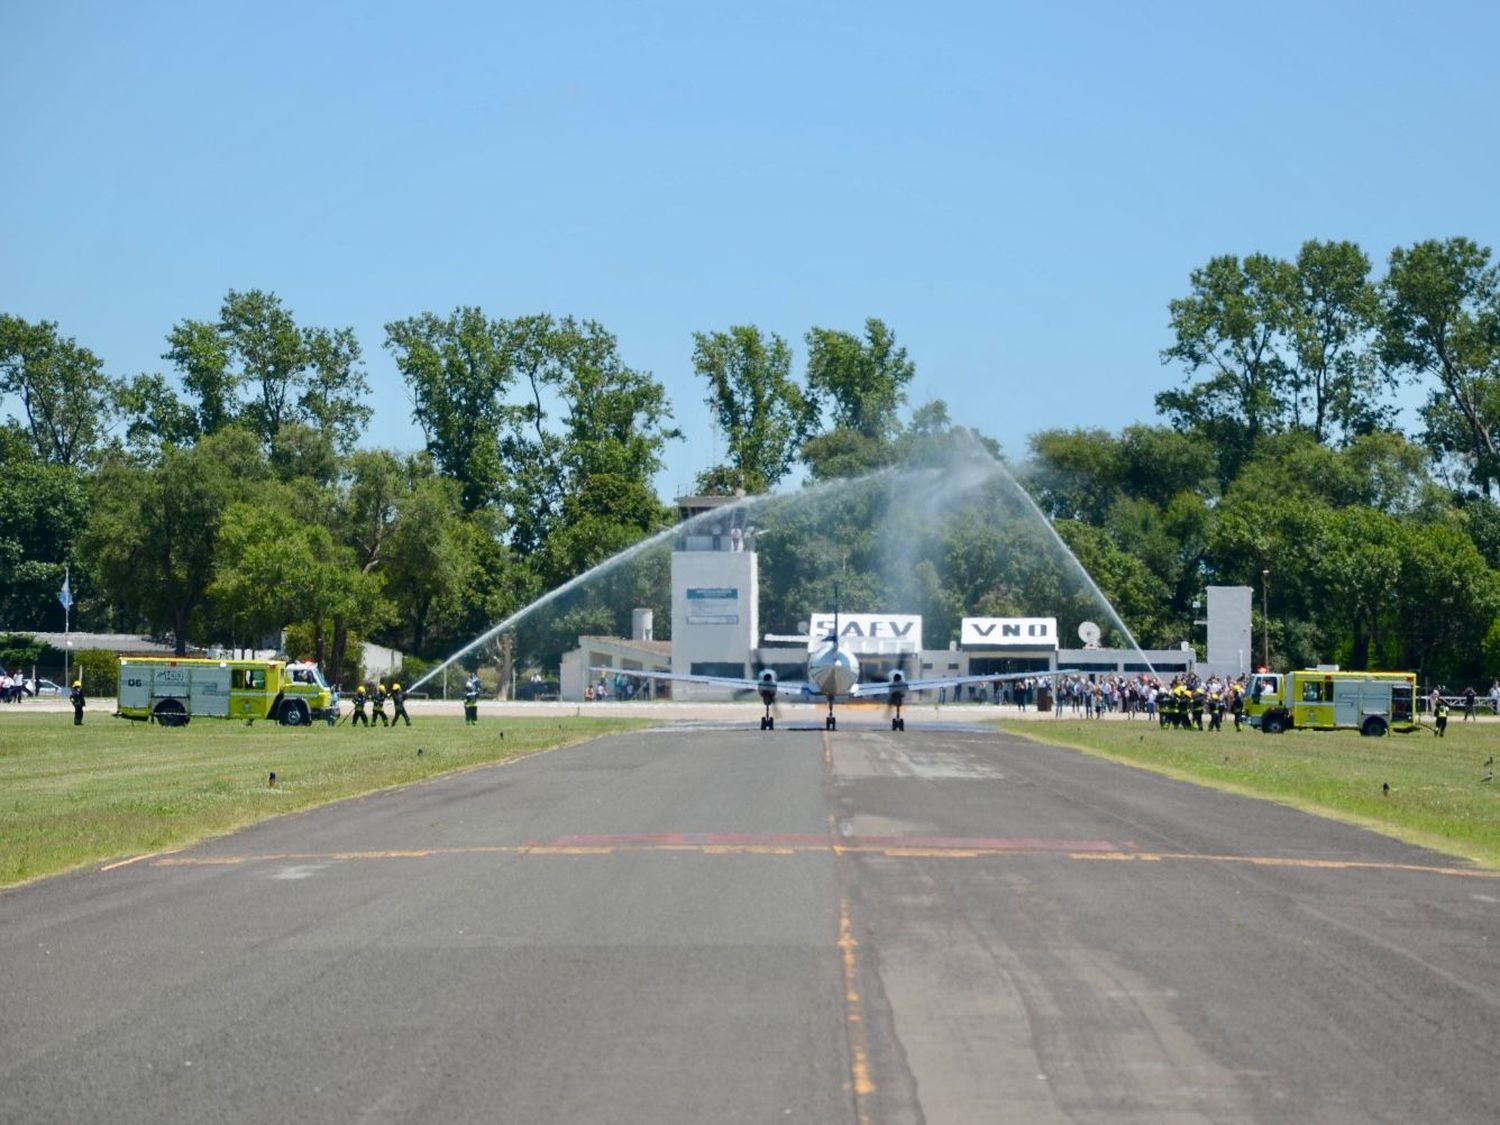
(1088, 633)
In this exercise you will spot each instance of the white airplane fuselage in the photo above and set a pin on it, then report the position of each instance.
(831, 670)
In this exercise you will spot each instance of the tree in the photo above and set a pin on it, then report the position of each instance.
(863, 380)
(1442, 321)
(66, 398)
(44, 509)
(153, 535)
(458, 371)
(864, 384)
(274, 570)
(257, 368)
(615, 427)
(1335, 383)
(425, 556)
(762, 412)
(1230, 324)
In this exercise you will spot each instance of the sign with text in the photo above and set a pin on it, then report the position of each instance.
(713, 605)
(1008, 632)
(869, 633)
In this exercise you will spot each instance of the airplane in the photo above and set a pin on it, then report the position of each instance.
(832, 674)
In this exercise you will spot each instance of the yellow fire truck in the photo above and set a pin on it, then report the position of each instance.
(1329, 699)
(171, 691)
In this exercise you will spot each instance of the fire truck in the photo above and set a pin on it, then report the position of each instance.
(172, 691)
(1326, 698)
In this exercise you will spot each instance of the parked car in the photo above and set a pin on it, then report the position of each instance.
(47, 687)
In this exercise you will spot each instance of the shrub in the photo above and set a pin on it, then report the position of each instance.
(99, 669)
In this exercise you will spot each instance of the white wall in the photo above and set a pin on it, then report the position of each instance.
(699, 641)
(1230, 646)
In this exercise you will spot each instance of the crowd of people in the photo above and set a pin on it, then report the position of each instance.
(1186, 701)
(15, 686)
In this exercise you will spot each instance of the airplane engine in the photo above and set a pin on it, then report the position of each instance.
(767, 687)
(898, 687)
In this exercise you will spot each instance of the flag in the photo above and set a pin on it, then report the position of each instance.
(65, 595)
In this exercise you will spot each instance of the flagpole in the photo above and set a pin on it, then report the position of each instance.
(67, 604)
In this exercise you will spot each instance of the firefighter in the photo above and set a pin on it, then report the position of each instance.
(398, 697)
(360, 699)
(379, 710)
(471, 700)
(75, 697)
(1237, 705)
(1182, 702)
(1215, 710)
(1199, 699)
(1440, 713)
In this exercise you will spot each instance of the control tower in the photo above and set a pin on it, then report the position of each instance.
(715, 594)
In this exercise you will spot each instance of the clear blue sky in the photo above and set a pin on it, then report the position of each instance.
(1017, 189)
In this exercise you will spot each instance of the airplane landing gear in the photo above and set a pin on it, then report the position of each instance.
(897, 722)
(768, 720)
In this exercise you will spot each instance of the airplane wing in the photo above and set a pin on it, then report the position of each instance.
(795, 690)
(909, 687)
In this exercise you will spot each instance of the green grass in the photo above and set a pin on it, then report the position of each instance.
(71, 796)
(1437, 799)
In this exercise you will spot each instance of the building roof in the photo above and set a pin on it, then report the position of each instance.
(122, 643)
(659, 648)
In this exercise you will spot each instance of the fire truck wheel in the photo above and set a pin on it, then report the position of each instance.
(1273, 722)
(171, 713)
(294, 713)
(1373, 727)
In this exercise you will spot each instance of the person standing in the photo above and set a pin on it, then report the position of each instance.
(360, 699)
(471, 700)
(75, 697)
(398, 697)
(1470, 698)
(379, 707)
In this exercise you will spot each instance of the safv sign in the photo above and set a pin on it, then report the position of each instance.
(1008, 632)
(870, 633)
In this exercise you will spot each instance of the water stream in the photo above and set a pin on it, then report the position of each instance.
(972, 497)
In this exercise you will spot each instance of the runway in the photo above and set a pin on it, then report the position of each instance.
(715, 924)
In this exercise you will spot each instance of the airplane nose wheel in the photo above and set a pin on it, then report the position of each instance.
(898, 723)
(830, 723)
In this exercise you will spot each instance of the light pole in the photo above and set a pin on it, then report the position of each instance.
(1265, 614)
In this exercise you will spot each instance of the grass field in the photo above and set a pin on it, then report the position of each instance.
(1436, 799)
(75, 795)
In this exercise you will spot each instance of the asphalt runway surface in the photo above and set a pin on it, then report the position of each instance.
(720, 925)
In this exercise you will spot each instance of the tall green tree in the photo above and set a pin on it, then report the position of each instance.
(615, 425)
(66, 400)
(426, 557)
(153, 532)
(1442, 322)
(1335, 382)
(756, 404)
(274, 570)
(863, 383)
(255, 367)
(459, 370)
(45, 507)
(1229, 327)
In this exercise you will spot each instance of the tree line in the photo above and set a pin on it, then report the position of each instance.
(229, 496)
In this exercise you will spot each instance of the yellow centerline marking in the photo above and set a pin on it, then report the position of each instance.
(833, 847)
(854, 1017)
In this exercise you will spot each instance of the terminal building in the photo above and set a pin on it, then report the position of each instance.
(716, 631)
